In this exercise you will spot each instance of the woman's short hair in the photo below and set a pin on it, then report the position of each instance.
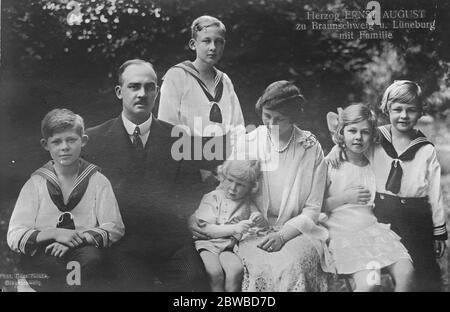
(284, 97)
(245, 170)
(401, 91)
(353, 114)
(59, 120)
(203, 22)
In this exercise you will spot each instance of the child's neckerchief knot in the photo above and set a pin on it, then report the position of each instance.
(54, 188)
(215, 114)
(394, 180)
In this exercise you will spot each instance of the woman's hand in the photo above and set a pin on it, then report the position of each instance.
(196, 226)
(357, 195)
(334, 157)
(57, 249)
(439, 248)
(272, 242)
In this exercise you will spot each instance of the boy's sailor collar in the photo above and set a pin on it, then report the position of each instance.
(86, 170)
(218, 80)
(394, 180)
(189, 67)
(418, 140)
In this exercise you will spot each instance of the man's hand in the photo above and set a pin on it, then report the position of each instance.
(439, 248)
(357, 195)
(196, 226)
(57, 249)
(70, 238)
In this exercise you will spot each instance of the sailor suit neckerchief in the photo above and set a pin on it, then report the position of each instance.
(215, 114)
(48, 172)
(394, 180)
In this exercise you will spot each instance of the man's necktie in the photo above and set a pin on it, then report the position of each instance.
(137, 142)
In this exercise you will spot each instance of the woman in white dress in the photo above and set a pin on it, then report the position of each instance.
(288, 256)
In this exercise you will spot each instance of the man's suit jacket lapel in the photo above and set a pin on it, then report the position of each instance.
(117, 147)
(118, 135)
(158, 149)
(117, 150)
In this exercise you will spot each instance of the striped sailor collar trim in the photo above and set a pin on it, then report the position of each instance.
(189, 67)
(85, 170)
(418, 138)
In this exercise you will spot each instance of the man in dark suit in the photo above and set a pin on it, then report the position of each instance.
(134, 152)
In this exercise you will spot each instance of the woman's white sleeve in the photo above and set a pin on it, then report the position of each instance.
(306, 222)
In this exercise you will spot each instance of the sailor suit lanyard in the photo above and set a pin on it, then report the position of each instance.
(394, 180)
(47, 171)
(215, 115)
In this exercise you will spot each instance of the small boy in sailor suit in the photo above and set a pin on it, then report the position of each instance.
(408, 183)
(66, 211)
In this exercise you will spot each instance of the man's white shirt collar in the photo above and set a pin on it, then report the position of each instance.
(143, 127)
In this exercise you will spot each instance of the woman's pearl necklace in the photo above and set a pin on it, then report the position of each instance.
(281, 150)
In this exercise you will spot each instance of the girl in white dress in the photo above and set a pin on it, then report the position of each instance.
(358, 243)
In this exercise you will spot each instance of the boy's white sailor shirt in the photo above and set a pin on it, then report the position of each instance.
(183, 102)
(97, 213)
(421, 177)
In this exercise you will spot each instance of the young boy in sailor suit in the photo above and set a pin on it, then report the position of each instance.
(200, 97)
(66, 211)
(408, 183)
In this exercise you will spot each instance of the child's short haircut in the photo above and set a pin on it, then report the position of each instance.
(203, 22)
(245, 170)
(402, 91)
(353, 114)
(59, 120)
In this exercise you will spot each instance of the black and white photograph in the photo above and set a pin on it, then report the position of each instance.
(224, 146)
